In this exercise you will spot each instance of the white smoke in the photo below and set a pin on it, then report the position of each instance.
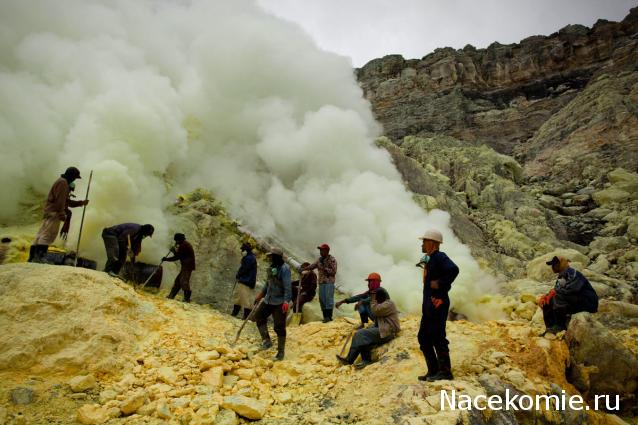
(208, 94)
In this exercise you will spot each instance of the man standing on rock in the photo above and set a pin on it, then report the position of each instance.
(246, 278)
(327, 266)
(119, 239)
(572, 294)
(277, 295)
(54, 213)
(438, 274)
(186, 256)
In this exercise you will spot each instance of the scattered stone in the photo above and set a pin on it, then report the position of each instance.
(245, 406)
(82, 383)
(214, 378)
(22, 396)
(163, 411)
(226, 417)
(90, 414)
(167, 375)
(107, 395)
(133, 402)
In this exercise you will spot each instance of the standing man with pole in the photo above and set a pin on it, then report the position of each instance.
(327, 266)
(54, 214)
(438, 274)
(246, 279)
(276, 295)
(186, 256)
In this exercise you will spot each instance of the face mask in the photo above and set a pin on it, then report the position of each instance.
(423, 261)
(273, 271)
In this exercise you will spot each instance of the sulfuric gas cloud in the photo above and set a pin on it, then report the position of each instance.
(161, 97)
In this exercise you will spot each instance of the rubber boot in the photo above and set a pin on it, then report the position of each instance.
(266, 343)
(32, 250)
(246, 313)
(366, 359)
(281, 348)
(325, 318)
(236, 309)
(174, 291)
(328, 317)
(445, 367)
(350, 358)
(187, 296)
(433, 366)
(39, 253)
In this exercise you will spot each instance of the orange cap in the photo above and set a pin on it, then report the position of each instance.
(374, 276)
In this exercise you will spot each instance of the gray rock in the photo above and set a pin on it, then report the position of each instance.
(22, 395)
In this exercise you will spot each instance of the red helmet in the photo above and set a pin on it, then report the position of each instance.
(374, 276)
(324, 246)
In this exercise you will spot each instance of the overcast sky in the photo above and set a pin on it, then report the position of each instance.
(368, 29)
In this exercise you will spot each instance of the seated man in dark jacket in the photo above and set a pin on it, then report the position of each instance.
(572, 294)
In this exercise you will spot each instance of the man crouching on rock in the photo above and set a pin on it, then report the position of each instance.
(386, 327)
(277, 294)
(572, 293)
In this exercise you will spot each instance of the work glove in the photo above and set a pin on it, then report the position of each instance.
(543, 300)
(85, 202)
(436, 302)
(284, 308)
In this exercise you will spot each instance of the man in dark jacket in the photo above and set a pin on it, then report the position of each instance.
(305, 289)
(119, 239)
(438, 274)
(363, 300)
(277, 295)
(572, 294)
(55, 208)
(246, 278)
(386, 327)
(186, 255)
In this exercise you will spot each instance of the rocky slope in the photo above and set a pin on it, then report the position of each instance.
(123, 356)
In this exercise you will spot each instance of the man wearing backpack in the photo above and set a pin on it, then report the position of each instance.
(438, 274)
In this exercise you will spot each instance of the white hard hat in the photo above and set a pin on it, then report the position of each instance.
(432, 235)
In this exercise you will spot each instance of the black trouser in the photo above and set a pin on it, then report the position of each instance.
(278, 316)
(115, 252)
(363, 341)
(432, 338)
(556, 311)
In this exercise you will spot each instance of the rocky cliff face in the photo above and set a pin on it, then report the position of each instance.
(502, 96)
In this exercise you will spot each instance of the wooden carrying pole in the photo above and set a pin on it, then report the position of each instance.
(77, 247)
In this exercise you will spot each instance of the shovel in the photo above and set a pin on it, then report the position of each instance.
(249, 317)
(295, 319)
(345, 344)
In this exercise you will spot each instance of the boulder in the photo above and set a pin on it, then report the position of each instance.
(22, 395)
(539, 271)
(245, 406)
(600, 363)
(82, 383)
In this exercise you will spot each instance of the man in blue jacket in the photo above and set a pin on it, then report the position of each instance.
(277, 295)
(438, 274)
(246, 278)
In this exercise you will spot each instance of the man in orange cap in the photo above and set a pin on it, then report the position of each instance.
(572, 293)
(327, 266)
(363, 300)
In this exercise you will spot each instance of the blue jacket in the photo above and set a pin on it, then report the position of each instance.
(278, 288)
(247, 273)
(573, 289)
(442, 269)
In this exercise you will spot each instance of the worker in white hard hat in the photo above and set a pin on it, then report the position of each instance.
(438, 274)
